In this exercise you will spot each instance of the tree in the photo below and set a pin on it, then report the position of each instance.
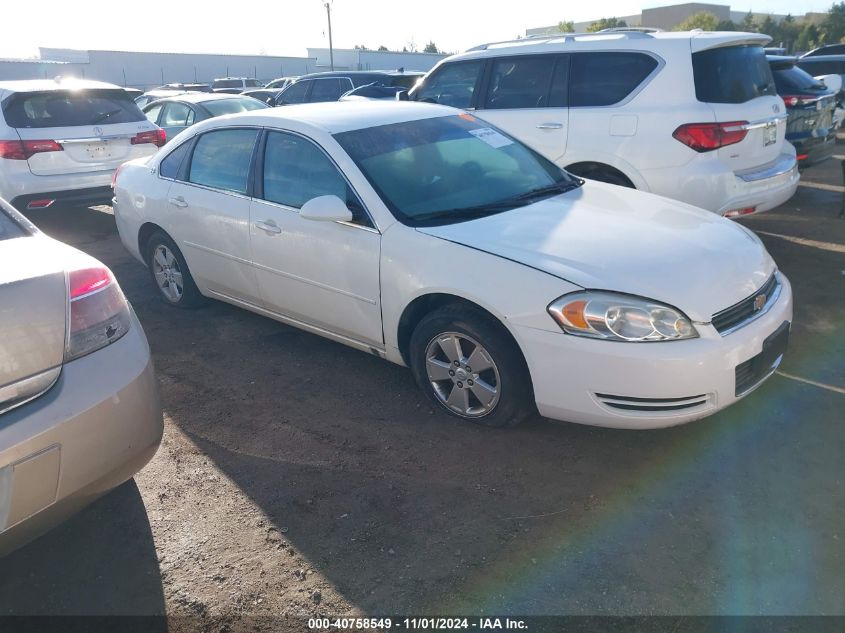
(360, 47)
(606, 23)
(808, 38)
(748, 24)
(703, 20)
(431, 47)
(832, 28)
(566, 27)
(382, 48)
(769, 27)
(726, 25)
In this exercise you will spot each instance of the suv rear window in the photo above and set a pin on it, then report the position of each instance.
(732, 74)
(602, 79)
(65, 108)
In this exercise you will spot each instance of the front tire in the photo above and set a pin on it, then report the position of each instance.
(170, 273)
(470, 366)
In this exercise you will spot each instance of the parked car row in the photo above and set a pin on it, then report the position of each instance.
(380, 223)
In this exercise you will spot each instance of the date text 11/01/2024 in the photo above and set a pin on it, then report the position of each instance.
(419, 624)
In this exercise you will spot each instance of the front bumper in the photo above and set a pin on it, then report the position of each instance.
(94, 429)
(585, 380)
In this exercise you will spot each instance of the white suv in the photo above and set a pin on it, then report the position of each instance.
(693, 116)
(62, 140)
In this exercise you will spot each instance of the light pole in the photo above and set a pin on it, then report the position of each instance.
(329, 16)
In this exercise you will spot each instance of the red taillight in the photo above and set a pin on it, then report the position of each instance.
(802, 156)
(790, 101)
(22, 150)
(84, 282)
(40, 204)
(705, 137)
(99, 314)
(114, 175)
(735, 213)
(157, 137)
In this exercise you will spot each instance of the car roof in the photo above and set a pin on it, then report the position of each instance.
(200, 97)
(360, 73)
(59, 83)
(820, 59)
(334, 117)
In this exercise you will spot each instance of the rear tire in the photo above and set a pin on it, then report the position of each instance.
(447, 342)
(170, 274)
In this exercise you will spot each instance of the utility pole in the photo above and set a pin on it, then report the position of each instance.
(329, 16)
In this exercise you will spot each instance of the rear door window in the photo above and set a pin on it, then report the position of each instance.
(732, 74)
(603, 79)
(221, 159)
(153, 112)
(520, 82)
(453, 84)
(327, 90)
(177, 115)
(70, 108)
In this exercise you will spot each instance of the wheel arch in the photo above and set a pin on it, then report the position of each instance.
(584, 168)
(144, 233)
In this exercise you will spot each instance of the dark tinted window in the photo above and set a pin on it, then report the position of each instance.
(67, 108)
(296, 170)
(169, 167)
(560, 83)
(9, 228)
(221, 159)
(792, 79)
(403, 81)
(295, 93)
(328, 89)
(601, 79)
(452, 84)
(732, 74)
(227, 83)
(520, 82)
(832, 49)
(820, 66)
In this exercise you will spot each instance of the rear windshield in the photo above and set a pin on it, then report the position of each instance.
(228, 83)
(732, 74)
(9, 228)
(66, 108)
(794, 79)
(233, 106)
(821, 66)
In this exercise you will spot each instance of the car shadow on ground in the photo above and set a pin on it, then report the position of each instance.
(405, 510)
(101, 562)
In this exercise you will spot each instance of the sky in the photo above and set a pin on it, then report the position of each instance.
(288, 27)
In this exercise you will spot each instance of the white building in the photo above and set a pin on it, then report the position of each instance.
(356, 59)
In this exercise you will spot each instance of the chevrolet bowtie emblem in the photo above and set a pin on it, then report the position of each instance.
(759, 302)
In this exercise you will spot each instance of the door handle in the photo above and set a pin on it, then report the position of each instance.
(268, 226)
(178, 201)
(550, 126)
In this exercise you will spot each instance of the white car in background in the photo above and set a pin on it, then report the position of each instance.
(420, 234)
(61, 140)
(693, 116)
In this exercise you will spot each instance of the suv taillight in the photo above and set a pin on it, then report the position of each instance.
(99, 313)
(705, 137)
(157, 137)
(22, 150)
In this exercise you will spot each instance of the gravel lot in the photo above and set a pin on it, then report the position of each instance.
(301, 477)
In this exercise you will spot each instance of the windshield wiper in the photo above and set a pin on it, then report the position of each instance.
(105, 115)
(556, 188)
(476, 211)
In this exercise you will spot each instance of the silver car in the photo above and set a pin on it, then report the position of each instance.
(79, 408)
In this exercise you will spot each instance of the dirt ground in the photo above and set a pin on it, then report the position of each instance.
(299, 477)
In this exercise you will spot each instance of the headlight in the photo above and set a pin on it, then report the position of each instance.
(618, 317)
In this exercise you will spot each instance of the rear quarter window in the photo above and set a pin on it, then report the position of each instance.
(732, 74)
(65, 108)
(602, 79)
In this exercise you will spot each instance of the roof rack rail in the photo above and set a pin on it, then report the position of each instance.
(631, 29)
(548, 37)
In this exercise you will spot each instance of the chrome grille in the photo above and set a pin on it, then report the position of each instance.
(744, 311)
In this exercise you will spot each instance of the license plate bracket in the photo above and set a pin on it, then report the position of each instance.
(770, 134)
(98, 151)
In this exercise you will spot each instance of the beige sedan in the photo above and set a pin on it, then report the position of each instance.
(79, 409)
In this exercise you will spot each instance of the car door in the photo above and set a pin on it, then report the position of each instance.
(176, 117)
(525, 95)
(209, 212)
(322, 273)
(328, 89)
(294, 93)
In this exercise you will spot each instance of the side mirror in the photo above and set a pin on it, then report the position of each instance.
(402, 95)
(326, 209)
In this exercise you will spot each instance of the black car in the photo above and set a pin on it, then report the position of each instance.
(810, 105)
(267, 95)
(331, 86)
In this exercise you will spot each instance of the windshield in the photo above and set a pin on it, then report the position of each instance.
(219, 107)
(449, 169)
(69, 108)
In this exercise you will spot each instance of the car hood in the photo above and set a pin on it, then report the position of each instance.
(607, 237)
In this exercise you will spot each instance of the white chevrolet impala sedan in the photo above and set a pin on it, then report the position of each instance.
(425, 236)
